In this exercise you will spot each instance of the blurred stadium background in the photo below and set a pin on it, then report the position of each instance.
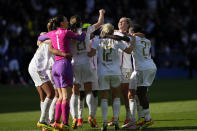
(169, 24)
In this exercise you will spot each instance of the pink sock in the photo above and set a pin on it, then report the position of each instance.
(58, 110)
(65, 111)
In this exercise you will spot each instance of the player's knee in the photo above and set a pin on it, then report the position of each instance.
(50, 95)
(131, 94)
(56, 94)
(104, 94)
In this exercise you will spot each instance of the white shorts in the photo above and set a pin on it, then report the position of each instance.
(106, 81)
(94, 83)
(126, 74)
(39, 77)
(83, 73)
(142, 78)
(49, 73)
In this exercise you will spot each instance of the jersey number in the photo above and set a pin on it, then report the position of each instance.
(146, 49)
(107, 50)
(58, 43)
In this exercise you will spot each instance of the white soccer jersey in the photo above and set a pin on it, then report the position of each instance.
(141, 55)
(41, 58)
(125, 59)
(40, 63)
(79, 49)
(108, 59)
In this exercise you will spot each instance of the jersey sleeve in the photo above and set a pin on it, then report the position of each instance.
(76, 36)
(43, 37)
(91, 29)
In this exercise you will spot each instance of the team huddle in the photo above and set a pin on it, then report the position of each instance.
(71, 66)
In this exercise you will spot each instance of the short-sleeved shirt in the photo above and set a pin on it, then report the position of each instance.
(42, 57)
(141, 55)
(80, 48)
(108, 58)
(61, 40)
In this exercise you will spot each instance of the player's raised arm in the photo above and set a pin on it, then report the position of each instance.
(100, 19)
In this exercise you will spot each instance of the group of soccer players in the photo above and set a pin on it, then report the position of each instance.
(71, 64)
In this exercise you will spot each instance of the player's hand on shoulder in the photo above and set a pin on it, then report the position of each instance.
(68, 56)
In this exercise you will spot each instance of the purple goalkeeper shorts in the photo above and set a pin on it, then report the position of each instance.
(62, 73)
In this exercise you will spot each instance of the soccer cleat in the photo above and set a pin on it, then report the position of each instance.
(49, 128)
(126, 121)
(141, 121)
(56, 125)
(130, 123)
(116, 126)
(111, 123)
(44, 129)
(74, 124)
(64, 127)
(91, 121)
(146, 124)
(104, 128)
(95, 123)
(80, 122)
(41, 124)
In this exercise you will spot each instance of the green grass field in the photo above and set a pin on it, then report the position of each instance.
(173, 105)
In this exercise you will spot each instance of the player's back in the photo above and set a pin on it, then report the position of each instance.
(108, 58)
(79, 49)
(142, 54)
(41, 57)
(60, 40)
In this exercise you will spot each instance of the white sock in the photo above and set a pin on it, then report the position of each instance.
(46, 105)
(80, 107)
(89, 101)
(52, 110)
(128, 114)
(104, 109)
(41, 106)
(147, 114)
(74, 105)
(139, 109)
(95, 106)
(116, 109)
(132, 106)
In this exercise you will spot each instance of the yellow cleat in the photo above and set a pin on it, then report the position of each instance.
(41, 124)
(74, 124)
(146, 124)
(64, 127)
(141, 121)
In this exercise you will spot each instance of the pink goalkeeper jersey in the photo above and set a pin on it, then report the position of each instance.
(61, 40)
